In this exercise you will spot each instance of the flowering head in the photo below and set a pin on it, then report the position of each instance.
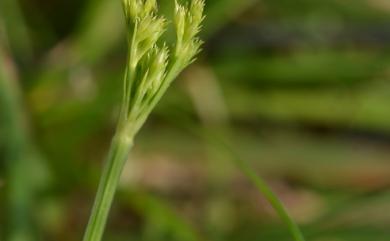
(152, 66)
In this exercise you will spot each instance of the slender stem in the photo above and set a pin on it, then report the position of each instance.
(262, 186)
(257, 181)
(118, 154)
(219, 142)
(18, 156)
(274, 201)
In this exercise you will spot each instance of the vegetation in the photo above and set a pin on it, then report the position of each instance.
(295, 92)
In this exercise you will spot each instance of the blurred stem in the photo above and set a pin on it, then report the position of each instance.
(215, 138)
(17, 154)
(262, 186)
(119, 151)
(16, 29)
(216, 126)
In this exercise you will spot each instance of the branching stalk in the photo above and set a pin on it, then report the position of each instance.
(151, 68)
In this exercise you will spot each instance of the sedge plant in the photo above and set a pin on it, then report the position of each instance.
(151, 68)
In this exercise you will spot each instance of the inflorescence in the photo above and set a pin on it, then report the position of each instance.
(152, 65)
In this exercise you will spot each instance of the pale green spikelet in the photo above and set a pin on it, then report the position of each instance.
(151, 65)
(139, 8)
(147, 31)
(188, 21)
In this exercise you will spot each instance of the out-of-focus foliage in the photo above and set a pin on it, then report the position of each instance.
(301, 88)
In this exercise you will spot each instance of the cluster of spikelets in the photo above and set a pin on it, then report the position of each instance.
(152, 65)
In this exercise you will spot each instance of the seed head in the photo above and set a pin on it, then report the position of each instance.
(151, 67)
(148, 30)
(138, 8)
(156, 64)
(188, 20)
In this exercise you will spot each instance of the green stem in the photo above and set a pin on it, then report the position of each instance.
(262, 186)
(259, 183)
(118, 154)
(217, 141)
(18, 156)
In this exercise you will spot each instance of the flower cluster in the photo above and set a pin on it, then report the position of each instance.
(152, 66)
(187, 23)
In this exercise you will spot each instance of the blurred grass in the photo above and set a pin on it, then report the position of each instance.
(303, 84)
(23, 171)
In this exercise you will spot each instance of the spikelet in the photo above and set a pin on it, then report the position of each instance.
(151, 65)
(188, 20)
